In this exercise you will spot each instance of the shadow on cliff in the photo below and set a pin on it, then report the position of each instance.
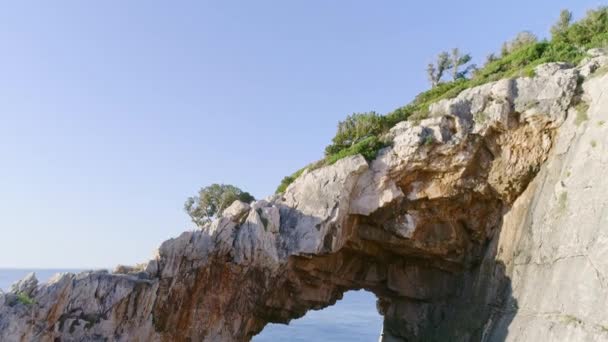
(478, 304)
(502, 309)
(483, 310)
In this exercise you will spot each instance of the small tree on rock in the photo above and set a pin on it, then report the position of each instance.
(560, 28)
(522, 39)
(435, 71)
(212, 200)
(504, 49)
(456, 61)
(355, 128)
(591, 31)
(491, 58)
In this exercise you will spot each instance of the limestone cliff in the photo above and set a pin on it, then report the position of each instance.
(484, 222)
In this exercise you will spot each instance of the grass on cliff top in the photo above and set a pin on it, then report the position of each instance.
(367, 147)
(360, 133)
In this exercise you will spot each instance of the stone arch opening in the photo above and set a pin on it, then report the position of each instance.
(354, 317)
(416, 296)
(429, 257)
(401, 277)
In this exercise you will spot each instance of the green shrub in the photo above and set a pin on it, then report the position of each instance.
(355, 128)
(591, 31)
(289, 179)
(367, 147)
(398, 115)
(520, 57)
(212, 200)
(431, 95)
(523, 55)
(24, 299)
(563, 52)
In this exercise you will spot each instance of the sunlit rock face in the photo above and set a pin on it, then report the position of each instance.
(461, 228)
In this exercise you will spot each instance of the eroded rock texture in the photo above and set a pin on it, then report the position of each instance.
(482, 223)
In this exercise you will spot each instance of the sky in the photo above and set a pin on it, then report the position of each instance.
(113, 112)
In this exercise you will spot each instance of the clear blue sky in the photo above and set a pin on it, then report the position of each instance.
(113, 112)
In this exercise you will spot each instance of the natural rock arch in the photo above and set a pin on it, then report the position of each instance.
(420, 226)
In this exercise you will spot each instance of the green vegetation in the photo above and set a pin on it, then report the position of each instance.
(522, 39)
(362, 132)
(446, 62)
(435, 71)
(368, 148)
(459, 60)
(354, 129)
(593, 143)
(560, 29)
(601, 123)
(24, 299)
(212, 200)
(289, 179)
(581, 113)
(589, 32)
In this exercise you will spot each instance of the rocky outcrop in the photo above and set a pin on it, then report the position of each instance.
(481, 223)
(554, 240)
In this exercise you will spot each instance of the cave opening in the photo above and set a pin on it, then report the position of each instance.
(353, 318)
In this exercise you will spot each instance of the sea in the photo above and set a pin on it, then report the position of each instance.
(352, 319)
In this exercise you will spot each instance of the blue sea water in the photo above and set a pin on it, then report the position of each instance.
(352, 319)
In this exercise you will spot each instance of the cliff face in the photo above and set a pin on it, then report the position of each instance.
(482, 223)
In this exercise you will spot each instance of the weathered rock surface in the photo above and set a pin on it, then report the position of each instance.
(485, 222)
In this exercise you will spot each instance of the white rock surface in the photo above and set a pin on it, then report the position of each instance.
(555, 241)
(236, 210)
